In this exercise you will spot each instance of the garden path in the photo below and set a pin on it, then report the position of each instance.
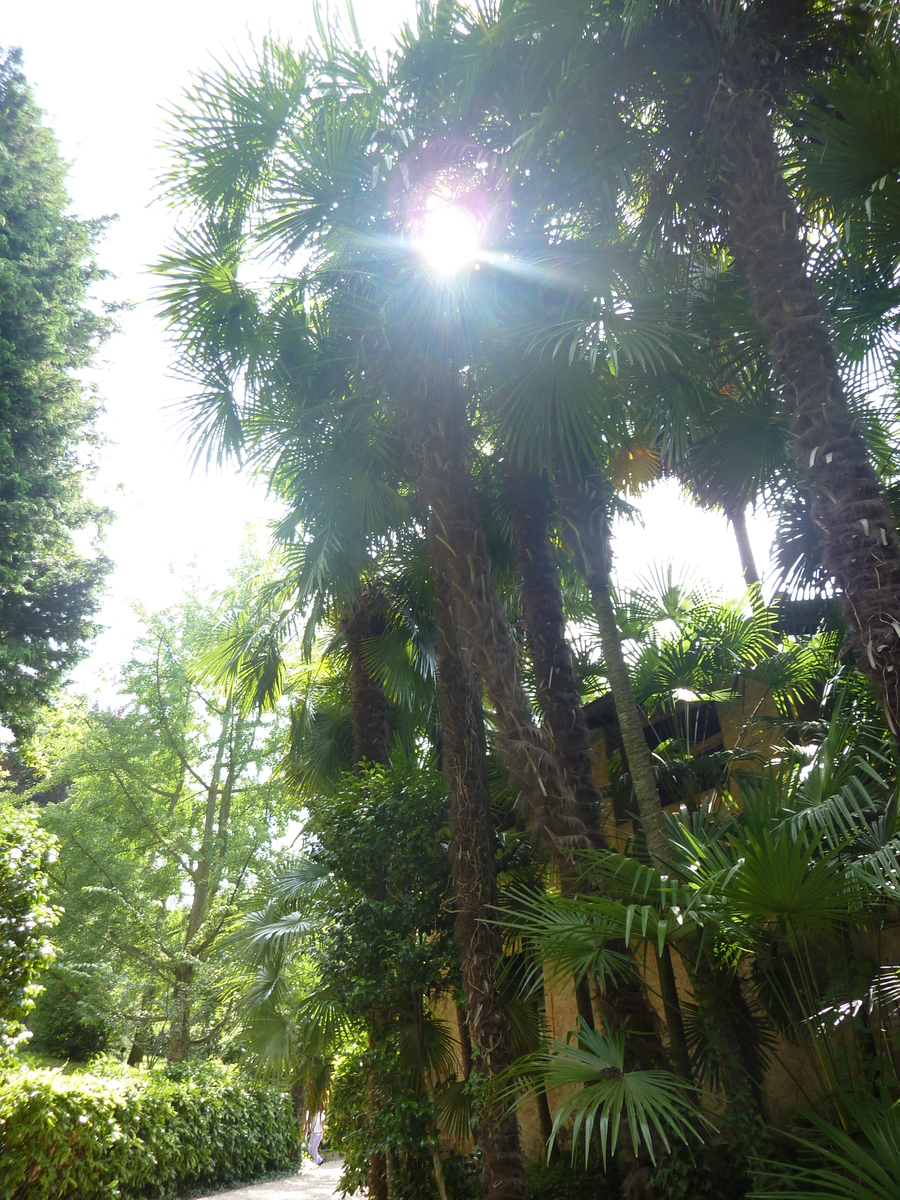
(312, 1183)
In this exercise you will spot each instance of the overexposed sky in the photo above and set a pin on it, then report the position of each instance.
(104, 72)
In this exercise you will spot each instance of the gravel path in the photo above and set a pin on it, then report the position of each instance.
(312, 1183)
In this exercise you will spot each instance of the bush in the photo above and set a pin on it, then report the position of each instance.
(563, 1180)
(25, 918)
(397, 1124)
(64, 1027)
(126, 1132)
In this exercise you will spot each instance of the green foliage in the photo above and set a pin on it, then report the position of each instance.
(48, 335)
(398, 1122)
(692, 1172)
(63, 1026)
(570, 1181)
(354, 941)
(650, 1107)
(464, 1174)
(170, 807)
(25, 919)
(841, 1164)
(321, 158)
(381, 836)
(131, 1133)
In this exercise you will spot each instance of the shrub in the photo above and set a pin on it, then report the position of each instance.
(126, 1132)
(25, 918)
(397, 1125)
(565, 1180)
(64, 1027)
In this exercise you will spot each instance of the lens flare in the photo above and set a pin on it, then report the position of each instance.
(448, 238)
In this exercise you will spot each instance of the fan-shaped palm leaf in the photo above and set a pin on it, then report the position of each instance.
(649, 1107)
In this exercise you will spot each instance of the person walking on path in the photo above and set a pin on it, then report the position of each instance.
(316, 1130)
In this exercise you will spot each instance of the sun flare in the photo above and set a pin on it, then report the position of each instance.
(448, 238)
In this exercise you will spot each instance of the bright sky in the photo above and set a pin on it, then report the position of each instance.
(104, 71)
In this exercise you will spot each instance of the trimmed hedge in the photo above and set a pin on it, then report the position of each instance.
(131, 1133)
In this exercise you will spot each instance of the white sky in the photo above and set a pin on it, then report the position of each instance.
(104, 71)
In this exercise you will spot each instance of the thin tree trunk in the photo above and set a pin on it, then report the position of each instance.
(738, 518)
(465, 1042)
(640, 762)
(668, 990)
(434, 1146)
(583, 507)
(376, 1165)
(860, 548)
(474, 879)
(545, 1120)
(204, 885)
(369, 704)
(584, 513)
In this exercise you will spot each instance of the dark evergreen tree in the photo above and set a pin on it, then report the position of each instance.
(49, 331)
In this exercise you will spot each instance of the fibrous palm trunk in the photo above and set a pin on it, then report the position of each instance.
(481, 624)
(545, 624)
(368, 701)
(859, 543)
(626, 1004)
(475, 884)
(737, 515)
(583, 509)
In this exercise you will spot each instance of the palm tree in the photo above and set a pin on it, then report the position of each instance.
(684, 98)
(558, 690)
(332, 146)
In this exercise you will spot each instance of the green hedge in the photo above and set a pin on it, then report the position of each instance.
(131, 1133)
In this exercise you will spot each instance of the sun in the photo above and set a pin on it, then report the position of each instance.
(448, 237)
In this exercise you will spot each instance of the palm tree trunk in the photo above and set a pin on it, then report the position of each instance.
(465, 1042)
(583, 507)
(738, 518)
(474, 879)
(371, 729)
(560, 698)
(368, 702)
(860, 548)
(545, 624)
(481, 624)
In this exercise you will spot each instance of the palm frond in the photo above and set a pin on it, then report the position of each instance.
(455, 1111)
(426, 1045)
(839, 1165)
(287, 930)
(570, 936)
(650, 1107)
